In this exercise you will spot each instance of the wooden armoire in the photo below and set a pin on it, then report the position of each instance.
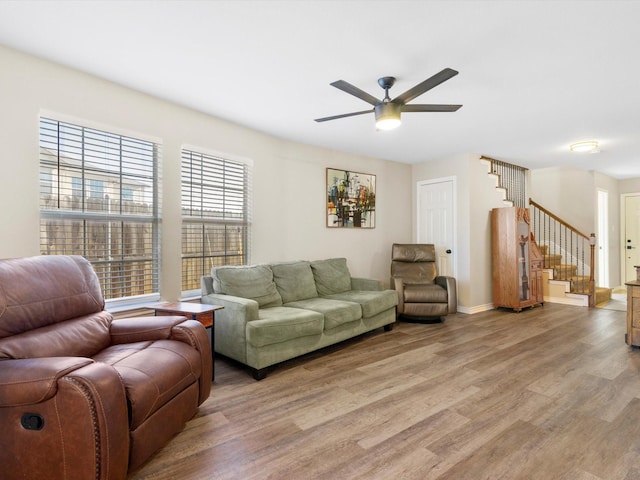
(516, 260)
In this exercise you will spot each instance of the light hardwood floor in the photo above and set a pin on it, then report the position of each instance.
(548, 393)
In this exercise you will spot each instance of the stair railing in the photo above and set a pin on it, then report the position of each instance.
(569, 252)
(512, 178)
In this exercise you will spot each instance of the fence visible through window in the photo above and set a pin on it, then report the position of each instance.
(215, 215)
(98, 199)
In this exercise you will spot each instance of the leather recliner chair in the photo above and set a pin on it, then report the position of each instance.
(422, 293)
(84, 396)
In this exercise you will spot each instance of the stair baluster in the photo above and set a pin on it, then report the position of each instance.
(560, 241)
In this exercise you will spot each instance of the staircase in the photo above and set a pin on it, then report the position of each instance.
(569, 284)
(569, 260)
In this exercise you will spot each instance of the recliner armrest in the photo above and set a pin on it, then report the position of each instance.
(66, 417)
(140, 329)
(449, 284)
(33, 380)
(398, 285)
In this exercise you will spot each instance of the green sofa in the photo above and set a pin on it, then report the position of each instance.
(280, 311)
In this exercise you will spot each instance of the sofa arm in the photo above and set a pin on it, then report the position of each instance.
(231, 324)
(449, 284)
(80, 429)
(366, 284)
(206, 285)
(238, 307)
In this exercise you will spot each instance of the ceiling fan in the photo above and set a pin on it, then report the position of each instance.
(387, 111)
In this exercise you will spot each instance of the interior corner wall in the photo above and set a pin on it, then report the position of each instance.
(568, 193)
(476, 196)
(571, 194)
(289, 179)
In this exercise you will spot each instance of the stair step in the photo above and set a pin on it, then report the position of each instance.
(603, 295)
(564, 271)
(551, 261)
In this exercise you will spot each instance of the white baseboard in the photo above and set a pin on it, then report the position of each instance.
(570, 299)
(475, 309)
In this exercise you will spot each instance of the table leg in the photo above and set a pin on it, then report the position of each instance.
(213, 354)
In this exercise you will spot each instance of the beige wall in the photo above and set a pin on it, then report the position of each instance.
(571, 194)
(288, 184)
(475, 197)
(289, 180)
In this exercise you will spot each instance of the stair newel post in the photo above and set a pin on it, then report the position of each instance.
(592, 283)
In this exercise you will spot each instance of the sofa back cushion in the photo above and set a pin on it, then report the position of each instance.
(331, 276)
(294, 281)
(247, 281)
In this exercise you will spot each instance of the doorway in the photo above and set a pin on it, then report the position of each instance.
(436, 220)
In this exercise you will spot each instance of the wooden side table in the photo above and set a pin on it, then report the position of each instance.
(201, 312)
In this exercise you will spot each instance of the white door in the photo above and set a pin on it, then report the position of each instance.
(631, 236)
(436, 217)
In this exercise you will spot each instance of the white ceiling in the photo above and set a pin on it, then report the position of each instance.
(535, 76)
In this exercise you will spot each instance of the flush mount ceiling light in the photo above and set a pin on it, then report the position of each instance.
(590, 146)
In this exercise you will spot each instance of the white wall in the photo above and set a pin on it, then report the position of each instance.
(289, 179)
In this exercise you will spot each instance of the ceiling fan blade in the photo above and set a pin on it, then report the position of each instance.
(324, 119)
(430, 108)
(428, 84)
(355, 91)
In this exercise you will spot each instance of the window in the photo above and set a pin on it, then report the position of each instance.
(85, 211)
(215, 215)
(96, 189)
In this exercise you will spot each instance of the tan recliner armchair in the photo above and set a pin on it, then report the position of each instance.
(422, 293)
(84, 396)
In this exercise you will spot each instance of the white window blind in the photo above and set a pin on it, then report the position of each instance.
(215, 215)
(99, 199)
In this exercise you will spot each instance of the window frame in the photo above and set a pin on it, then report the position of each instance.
(223, 220)
(73, 150)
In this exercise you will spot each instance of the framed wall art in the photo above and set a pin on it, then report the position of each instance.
(351, 199)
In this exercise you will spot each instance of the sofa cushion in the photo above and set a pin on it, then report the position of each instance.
(371, 302)
(254, 282)
(294, 281)
(331, 276)
(279, 324)
(336, 312)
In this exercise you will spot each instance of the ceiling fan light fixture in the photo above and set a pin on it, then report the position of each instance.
(590, 146)
(387, 116)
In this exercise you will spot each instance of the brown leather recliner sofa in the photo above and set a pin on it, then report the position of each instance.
(84, 396)
(422, 293)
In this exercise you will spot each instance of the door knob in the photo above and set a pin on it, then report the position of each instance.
(448, 251)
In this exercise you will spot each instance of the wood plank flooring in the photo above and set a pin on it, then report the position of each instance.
(548, 393)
